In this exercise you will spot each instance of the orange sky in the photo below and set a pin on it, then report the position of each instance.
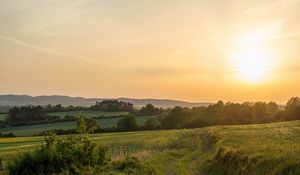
(188, 50)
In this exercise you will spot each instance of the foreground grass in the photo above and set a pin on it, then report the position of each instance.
(265, 149)
(249, 149)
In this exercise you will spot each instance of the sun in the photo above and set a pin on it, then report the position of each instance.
(252, 64)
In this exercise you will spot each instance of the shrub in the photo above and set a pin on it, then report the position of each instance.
(70, 155)
(152, 123)
(231, 161)
(128, 123)
(7, 135)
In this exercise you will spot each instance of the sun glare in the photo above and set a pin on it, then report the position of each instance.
(252, 64)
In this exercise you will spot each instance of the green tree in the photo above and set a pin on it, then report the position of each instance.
(91, 124)
(81, 126)
(127, 123)
(152, 123)
(293, 109)
(177, 118)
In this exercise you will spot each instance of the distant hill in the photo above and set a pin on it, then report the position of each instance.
(164, 103)
(19, 100)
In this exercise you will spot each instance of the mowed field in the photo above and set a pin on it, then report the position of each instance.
(3, 117)
(30, 130)
(242, 149)
(87, 113)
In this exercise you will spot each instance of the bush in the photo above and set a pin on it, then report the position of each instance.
(71, 155)
(128, 123)
(7, 135)
(152, 123)
(231, 161)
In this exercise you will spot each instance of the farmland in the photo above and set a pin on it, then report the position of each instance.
(241, 149)
(87, 113)
(3, 117)
(30, 130)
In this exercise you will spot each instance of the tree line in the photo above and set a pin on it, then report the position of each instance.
(25, 115)
(112, 106)
(231, 113)
(219, 113)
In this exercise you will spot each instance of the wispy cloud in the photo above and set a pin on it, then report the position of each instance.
(280, 12)
(42, 17)
(45, 50)
(272, 7)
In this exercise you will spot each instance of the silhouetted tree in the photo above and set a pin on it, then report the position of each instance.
(112, 106)
(293, 109)
(149, 109)
(176, 118)
(25, 114)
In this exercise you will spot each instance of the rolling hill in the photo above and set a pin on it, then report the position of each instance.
(18, 100)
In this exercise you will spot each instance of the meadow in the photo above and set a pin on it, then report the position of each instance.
(241, 149)
(87, 113)
(30, 130)
(3, 117)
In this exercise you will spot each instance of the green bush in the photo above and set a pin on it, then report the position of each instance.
(68, 156)
(152, 123)
(231, 161)
(128, 123)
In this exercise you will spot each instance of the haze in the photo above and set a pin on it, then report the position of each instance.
(188, 50)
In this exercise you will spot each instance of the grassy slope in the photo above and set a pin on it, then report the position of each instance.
(30, 130)
(250, 149)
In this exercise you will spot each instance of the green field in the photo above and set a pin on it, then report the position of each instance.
(250, 149)
(3, 117)
(31, 130)
(87, 113)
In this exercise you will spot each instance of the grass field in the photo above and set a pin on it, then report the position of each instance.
(250, 149)
(3, 117)
(31, 130)
(87, 113)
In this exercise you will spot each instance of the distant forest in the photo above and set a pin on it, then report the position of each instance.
(172, 118)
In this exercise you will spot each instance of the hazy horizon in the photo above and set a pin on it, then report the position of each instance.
(190, 51)
(150, 98)
(146, 98)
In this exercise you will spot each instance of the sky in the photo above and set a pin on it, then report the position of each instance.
(194, 50)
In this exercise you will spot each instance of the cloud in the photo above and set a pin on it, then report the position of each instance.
(281, 13)
(272, 7)
(45, 50)
(41, 17)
